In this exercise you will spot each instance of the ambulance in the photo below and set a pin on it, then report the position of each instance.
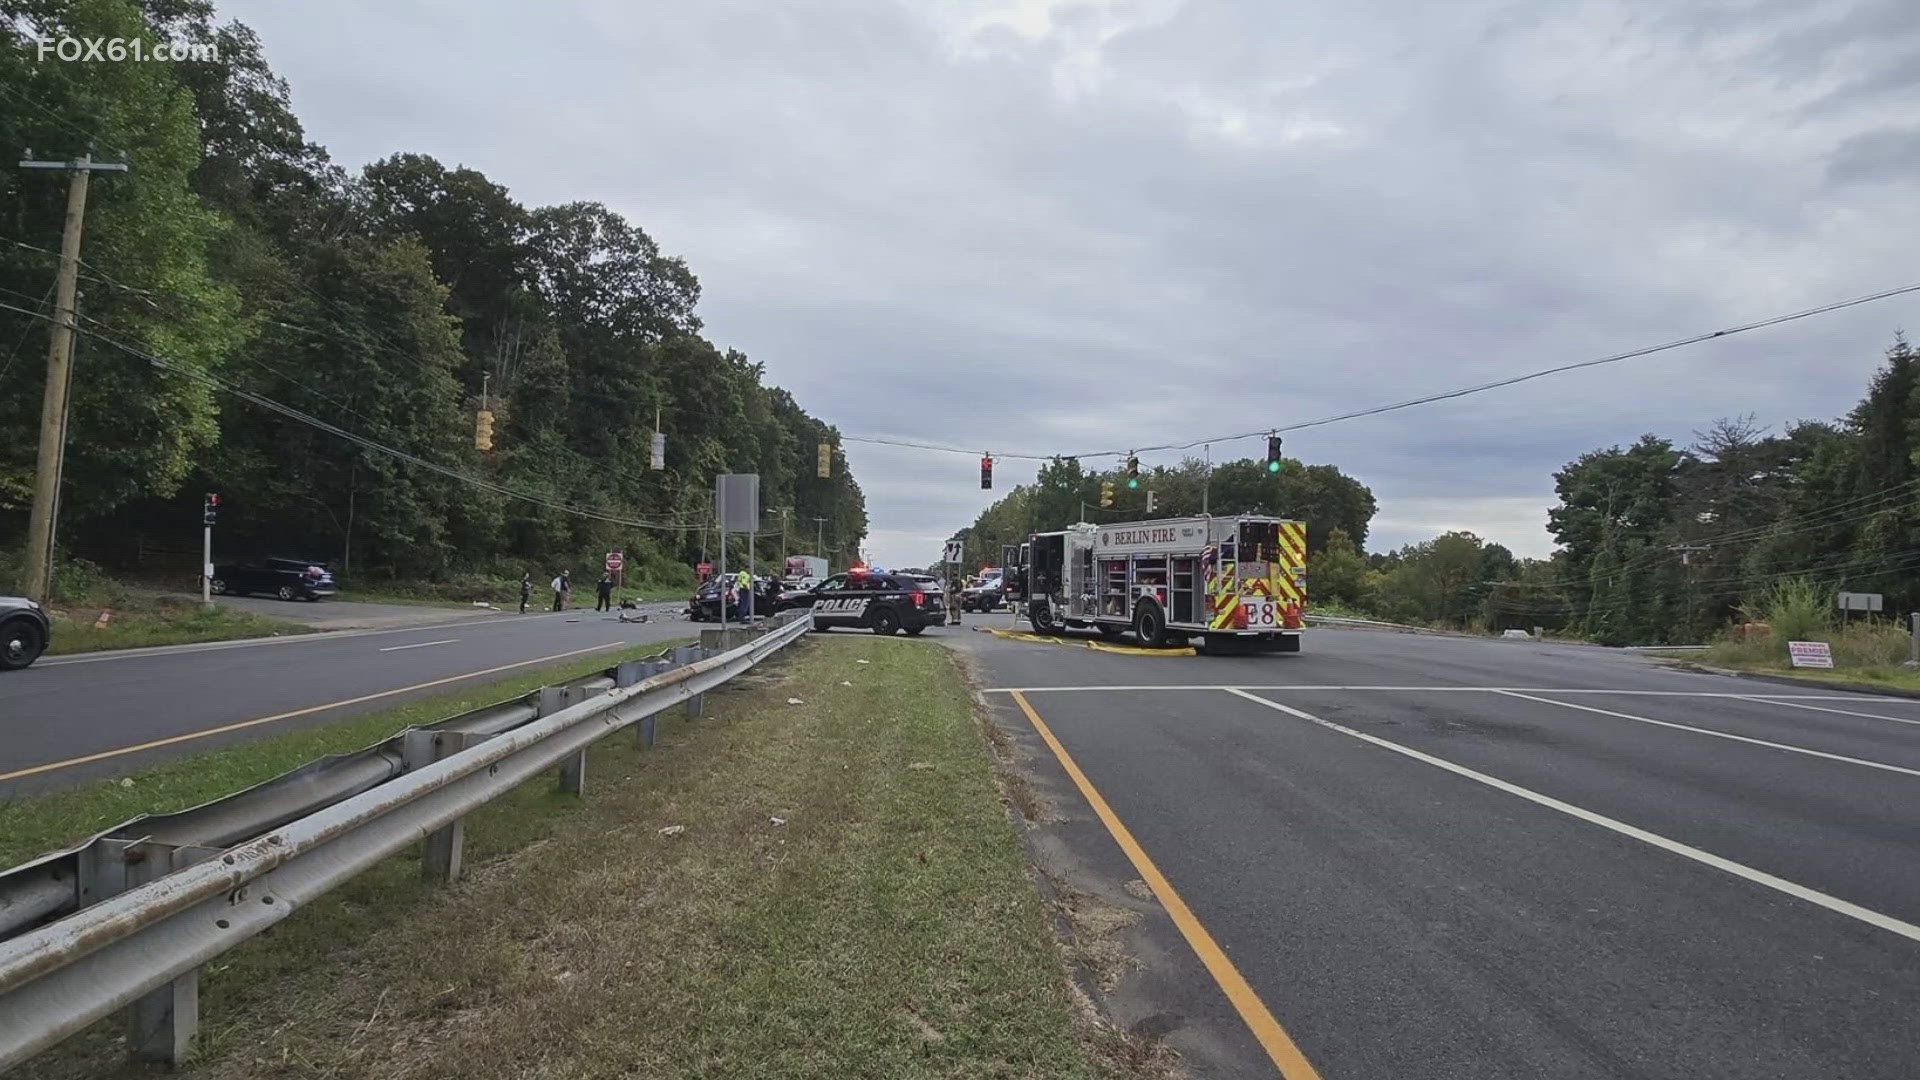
(1232, 582)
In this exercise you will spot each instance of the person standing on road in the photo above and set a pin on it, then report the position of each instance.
(743, 588)
(526, 591)
(562, 586)
(604, 593)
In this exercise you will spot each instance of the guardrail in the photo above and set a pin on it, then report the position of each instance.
(126, 920)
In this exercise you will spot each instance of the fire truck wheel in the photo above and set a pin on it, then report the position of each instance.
(1150, 625)
(1041, 616)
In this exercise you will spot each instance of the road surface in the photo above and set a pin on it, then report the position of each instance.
(1425, 857)
(69, 719)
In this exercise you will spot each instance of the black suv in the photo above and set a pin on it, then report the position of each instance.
(288, 579)
(24, 632)
(883, 603)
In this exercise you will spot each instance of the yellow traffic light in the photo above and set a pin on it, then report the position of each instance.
(483, 430)
(1106, 493)
(825, 468)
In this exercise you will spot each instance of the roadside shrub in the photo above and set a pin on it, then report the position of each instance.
(1797, 609)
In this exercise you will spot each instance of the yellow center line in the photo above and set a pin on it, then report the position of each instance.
(1280, 1047)
(191, 735)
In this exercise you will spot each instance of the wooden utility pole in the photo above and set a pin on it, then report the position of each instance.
(53, 403)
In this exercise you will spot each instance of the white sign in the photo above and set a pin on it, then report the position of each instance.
(1862, 601)
(1810, 654)
(1175, 534)
(615, 560)
(956, 551)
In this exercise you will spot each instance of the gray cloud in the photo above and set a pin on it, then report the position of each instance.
(1110, 223)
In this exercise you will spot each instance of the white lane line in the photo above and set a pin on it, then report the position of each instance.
(1791, 699)
(1789, 747)
(419, 645)
(1452, 689)
(1740, 870)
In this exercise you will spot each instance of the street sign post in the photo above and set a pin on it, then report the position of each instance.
(616, 565)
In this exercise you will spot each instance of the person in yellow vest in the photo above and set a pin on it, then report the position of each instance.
(743, 588)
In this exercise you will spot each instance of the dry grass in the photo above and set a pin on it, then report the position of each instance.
(1862, 653)
(888, 928)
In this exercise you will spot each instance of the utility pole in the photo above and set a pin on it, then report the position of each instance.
(53, 404)
(1206, 483)
(820, 538)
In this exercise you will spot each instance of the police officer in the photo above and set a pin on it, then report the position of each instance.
(743, 588)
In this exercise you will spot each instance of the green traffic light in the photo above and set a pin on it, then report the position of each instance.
(1273, 466)
(1133, 481)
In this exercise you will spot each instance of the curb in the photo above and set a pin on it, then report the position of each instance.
(1790, 680)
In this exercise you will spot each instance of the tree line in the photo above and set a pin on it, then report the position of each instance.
(1332, 503)
(1657, 542)
(390, 304)
(1661, 543)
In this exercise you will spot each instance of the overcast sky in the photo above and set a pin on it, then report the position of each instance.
(1036, 226)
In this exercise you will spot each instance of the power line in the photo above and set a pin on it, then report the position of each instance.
(291, 413)
(1429, 399)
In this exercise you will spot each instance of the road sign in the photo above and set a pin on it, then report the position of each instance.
(955, 553)
(739, 498)
(615, 560)
(1862, 601)
(705, 570)
(1810, 654)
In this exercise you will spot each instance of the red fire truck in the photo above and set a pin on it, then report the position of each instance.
(1228, 581)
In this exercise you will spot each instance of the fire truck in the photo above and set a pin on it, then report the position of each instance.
(1230, 581)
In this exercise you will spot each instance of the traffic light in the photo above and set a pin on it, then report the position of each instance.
(1133, 471)
(1273, 453)
(210, 509)
(483, 430)
(1106, 493)
(657, 459)
(986, 472)
(825, 468)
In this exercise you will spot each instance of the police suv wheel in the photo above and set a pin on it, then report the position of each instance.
(285, 593)
(885, 622)
(20, 644)
(219, 586)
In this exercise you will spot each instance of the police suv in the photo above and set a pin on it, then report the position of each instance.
(883, 603)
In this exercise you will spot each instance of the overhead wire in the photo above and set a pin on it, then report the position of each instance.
(193, 373)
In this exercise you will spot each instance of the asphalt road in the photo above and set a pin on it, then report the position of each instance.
(1439, 857)
(65, 710)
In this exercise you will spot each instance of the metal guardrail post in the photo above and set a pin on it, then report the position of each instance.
(690, 654)
(573, 770)
(162, 1024)
(443, 855)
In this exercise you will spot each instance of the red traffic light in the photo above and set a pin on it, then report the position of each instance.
(212, 499)
(986, 473)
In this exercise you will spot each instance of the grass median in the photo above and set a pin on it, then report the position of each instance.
(818, 878)
(137, 620)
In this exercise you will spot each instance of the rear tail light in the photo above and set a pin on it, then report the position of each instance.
(919, 599)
